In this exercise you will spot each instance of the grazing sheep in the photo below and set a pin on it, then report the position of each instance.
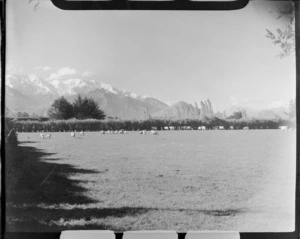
(48, 136)
(73, 134)
(143, 132)
(42, 136)
(283, 128)
(154, 132)
(81, 133)
(125, 132)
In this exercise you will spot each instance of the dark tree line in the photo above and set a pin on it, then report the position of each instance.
(97, 125)
(82, 108)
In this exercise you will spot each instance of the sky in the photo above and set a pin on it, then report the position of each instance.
(170, 55)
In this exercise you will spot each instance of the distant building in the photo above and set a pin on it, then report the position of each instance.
(221, 127)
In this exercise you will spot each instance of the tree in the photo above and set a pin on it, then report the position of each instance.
(210, 108)
(284, 37)
(197, 111)
(34, 115)
(87, 108)
(206, 109)
(203, 109)
(61, 109)
(22, 114)
(292, 109)
(244, 113)
(236, 115)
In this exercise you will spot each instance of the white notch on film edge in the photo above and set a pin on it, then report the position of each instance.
(212, 235)
(87, 234)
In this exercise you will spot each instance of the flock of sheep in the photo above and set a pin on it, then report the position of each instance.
(142, 132)
(73, 134)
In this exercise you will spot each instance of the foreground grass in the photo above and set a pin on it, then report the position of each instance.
(177, 180)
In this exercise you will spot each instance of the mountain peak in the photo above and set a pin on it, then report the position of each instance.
(31, 84)
(116, 103)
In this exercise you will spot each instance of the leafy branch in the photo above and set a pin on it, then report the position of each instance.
(284, 37)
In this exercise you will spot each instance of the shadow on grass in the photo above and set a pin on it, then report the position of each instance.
(47, 219)
(51, 219)
(47, 182)
(29, 142)
(35, 203)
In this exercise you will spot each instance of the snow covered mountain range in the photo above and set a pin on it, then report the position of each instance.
(33, 94)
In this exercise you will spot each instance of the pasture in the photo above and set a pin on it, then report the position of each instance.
(176, 180)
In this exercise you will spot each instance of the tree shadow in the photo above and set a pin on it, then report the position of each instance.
(46, 199)
(50, 219)
(47, 182)
(29, 142)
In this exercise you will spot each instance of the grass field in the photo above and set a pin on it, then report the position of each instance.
(181, 180)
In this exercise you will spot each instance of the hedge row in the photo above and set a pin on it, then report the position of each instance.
(98, 125)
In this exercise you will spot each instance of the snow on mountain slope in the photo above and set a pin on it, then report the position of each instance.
(116, 103)
(34, 94)
(30, 84)
(79, 84)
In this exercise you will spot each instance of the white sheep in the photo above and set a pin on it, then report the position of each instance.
(72, 134)
(48, 136)
(42, 136)
(283, 128)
